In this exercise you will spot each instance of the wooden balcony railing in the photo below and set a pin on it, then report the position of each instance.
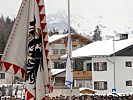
(54, 57)
(82, 74)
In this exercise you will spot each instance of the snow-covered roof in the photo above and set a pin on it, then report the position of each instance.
(59, 36)
(83, 88)
(100, 48)
(56, 37)
(57, 71)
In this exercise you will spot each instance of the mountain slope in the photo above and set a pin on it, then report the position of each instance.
(87, 26)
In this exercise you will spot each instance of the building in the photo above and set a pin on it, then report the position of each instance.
(59, 84)
(58, 46)
(111, 65)
(5, 78)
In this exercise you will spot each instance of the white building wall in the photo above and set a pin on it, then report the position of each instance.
(50, 49)
(122, 74)
(7, 80)
(50, 53)
(55, 46)
(103, 75)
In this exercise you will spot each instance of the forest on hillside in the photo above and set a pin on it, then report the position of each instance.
(6, 25)
(5, 29)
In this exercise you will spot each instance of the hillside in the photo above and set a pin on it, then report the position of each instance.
(87, 26)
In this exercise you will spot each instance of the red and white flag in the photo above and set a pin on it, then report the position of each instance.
(26, 54)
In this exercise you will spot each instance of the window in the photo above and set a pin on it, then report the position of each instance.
(59, 81)
(129, 83)
(78, 65)
(123, 36)
(100, 66)
(88, 84)
(62, 51)
(55, 51)
(59, 65)
(2, 75)
(128, 64)
(100, 85)
(79, 83)
(89, 67)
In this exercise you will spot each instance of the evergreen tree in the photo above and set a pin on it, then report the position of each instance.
(97, 34)
(2, 28)
(8, 25)
(64, 31)
(5, 29)
(53, 32)
(71, 29)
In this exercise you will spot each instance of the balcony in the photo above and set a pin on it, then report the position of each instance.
(82, 74)
(54, 57)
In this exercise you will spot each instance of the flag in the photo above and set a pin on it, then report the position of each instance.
(69, 75)
(26, 54)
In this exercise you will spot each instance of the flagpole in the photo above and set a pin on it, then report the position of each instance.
(69, 32)
(69, 17)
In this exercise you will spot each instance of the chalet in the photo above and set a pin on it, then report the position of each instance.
(111, 66)
(58, 46)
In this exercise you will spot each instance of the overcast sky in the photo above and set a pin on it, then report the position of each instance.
(108, 8)
(115, 12)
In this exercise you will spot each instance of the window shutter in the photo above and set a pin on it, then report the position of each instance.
(105, 85)
(105, 66)
(95, 67)
(95, 86)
